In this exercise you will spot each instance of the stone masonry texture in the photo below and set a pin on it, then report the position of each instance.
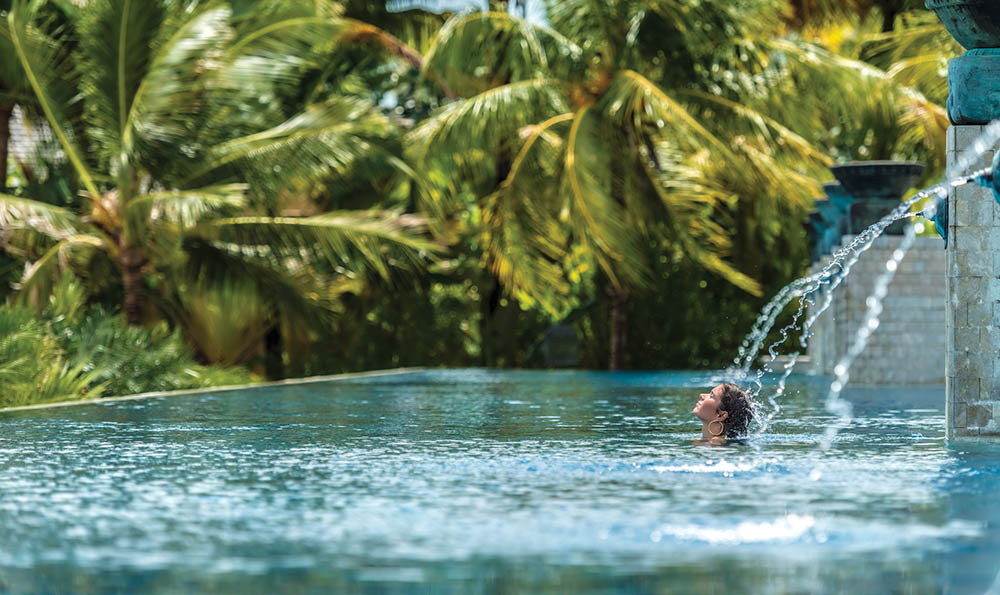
(972, 283)
(908, 347)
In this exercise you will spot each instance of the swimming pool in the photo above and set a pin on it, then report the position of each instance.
(473, 481)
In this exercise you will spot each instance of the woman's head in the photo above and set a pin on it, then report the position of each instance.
(729, 405)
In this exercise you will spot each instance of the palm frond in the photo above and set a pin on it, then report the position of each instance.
(524, 240)
(474, 52)
(690, 200)
(186, 208)
(45, 68)
(161, 106)
(302, 292)
(115, 38)
(598, 218)
(916, 54)
(323, 141)
(769, 130)
(633, 100)
(24, 213)
(488, 119)
(40, 276)
(380, 239)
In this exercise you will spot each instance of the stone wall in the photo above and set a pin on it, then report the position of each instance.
(908, 347)
(973, 288)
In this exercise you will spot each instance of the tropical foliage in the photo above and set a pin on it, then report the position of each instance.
(182, 158)
(309, 187)
(70, 351)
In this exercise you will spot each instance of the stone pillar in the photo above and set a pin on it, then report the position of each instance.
(972, 315)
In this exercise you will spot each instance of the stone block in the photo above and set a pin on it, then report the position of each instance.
(982, 161)
(980, 312)
(963, 432)
(973, 238)
(989, 337)
(979, 415)
(973, 364)
(967, 338)
(968, 289)
(990, 387)
(972, 206)
(961, 419)
(963, 135)
(966, 388)
(979, 264)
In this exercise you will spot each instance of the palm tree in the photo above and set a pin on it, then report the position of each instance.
(601, 135)
(189, 140)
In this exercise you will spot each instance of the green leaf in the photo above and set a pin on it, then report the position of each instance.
(45, 68)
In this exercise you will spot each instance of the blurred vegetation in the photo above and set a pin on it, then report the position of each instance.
(299, 188)
(69, 350)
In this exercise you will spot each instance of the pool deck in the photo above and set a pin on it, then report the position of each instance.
(217, 389)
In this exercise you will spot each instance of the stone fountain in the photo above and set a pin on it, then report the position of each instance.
(910, 340)
(972, 283)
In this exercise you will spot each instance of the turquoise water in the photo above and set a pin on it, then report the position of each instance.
(472, 481)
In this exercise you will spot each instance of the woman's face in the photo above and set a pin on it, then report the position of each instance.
(708, 405)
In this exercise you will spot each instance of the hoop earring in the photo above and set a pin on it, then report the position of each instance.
(722, 427)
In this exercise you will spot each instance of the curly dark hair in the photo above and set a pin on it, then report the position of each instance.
(739, 404)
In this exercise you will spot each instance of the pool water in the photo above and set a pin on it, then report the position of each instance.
(472, 481)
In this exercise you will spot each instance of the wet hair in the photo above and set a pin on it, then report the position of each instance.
(739, 404)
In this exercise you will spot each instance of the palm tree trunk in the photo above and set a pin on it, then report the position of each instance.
(490, 300)
(889, 19)
(5, 113)
(619, 326)
(489, 304)
(274, 347)
(132, 260)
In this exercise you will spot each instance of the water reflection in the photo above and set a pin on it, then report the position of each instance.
(462, 480)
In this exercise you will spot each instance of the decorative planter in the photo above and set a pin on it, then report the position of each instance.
(877, 187)
(973, 23)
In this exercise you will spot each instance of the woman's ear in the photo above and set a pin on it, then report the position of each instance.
(723, 415)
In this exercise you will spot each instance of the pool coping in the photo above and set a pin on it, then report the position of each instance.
(217, 389)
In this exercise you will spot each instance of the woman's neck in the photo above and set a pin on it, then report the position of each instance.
(708, 436)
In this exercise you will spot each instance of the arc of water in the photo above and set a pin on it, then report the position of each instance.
(807, 325)
(836, 404)
(804, 338)
(986, 140)
(833, 274)
(804, 286)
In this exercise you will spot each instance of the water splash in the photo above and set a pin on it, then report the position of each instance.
(807, 325)
(831, 276)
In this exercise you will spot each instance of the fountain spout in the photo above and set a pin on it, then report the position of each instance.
(990, 179)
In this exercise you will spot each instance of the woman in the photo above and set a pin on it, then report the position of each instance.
(725, 412)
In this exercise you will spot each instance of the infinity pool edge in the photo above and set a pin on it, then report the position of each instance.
(217, 389)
